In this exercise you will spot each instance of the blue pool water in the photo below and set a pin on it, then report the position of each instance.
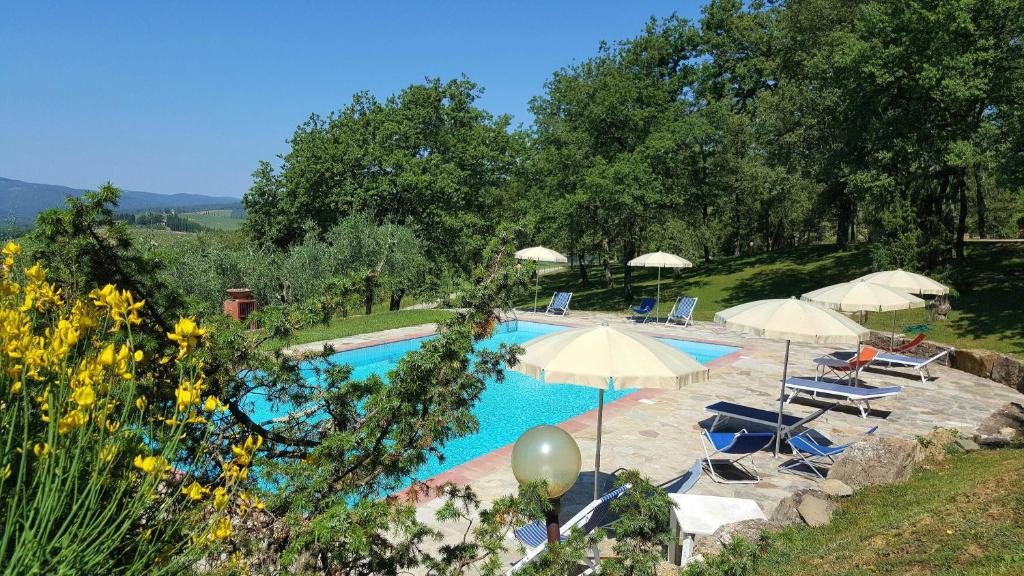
(506, 409)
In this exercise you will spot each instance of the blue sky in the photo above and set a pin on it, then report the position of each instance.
(189, 96)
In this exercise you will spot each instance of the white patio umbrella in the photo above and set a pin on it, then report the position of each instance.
(863, 296)
(599, 356)
(909, 282)
(539, 254)
(791, 319)
(659, 260)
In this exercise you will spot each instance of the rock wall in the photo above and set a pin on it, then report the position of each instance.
(985, 363)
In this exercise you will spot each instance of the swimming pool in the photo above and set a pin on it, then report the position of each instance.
(506, 409)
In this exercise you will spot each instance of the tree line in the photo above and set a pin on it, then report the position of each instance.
(760, 126)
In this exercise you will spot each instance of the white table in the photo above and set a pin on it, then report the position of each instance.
(695, 515)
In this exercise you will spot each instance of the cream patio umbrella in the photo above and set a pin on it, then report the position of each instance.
(539, 254)
(599, 356)
(909, 282)
(659, 260)
(864, 296)
(791, 319)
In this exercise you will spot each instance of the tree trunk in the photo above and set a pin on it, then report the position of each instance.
(608, 278)
(370, 284)
(704, 220)
(583, 267)
(961, 222)
(628, 252)
(842, 221)
(979, 196)
(396, 299)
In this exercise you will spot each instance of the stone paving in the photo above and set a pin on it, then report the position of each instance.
(657, 431)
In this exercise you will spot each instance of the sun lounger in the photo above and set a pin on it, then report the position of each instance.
(891, 360)
(815, 452)
(534, 535)
(682, 310)
(559, 305)
(740, 445)
(767, 418)
(645, 308)
(859, 396)
(909, 345)
(842, 366)
(685, 481)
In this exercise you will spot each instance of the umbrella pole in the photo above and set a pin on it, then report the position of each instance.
(892, 340)
(597, 458)
(856, 370)
(782, 401)
(657, 305)
(536, 289)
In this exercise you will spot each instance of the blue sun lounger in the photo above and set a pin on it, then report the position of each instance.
(682, 310)
(741, 445)
(767, 418)
(815, 452)
(859, 396)
(645, 308)
(534, 535)
(559, 305)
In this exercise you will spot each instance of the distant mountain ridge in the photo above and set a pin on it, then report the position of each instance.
(23, 200)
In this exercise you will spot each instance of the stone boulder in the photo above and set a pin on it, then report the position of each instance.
(977, 362)
(1009, 371)
(749, 530)
(787, 513)
(934, 444)
(876, 460)
(816, 511)
(1002, 427)
(835, 488)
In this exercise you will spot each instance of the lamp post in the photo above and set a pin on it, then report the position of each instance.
(550, 454)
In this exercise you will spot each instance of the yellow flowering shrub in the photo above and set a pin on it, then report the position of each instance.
(102, 465)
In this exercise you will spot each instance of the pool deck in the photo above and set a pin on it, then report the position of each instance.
(657, 431)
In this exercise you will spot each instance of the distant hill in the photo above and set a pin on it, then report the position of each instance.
(23, 200)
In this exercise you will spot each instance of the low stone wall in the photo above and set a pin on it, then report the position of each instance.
(997, 367)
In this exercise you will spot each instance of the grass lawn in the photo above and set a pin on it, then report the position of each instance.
(964, 518)
(341, 327)
(987, 313)
(214, 219)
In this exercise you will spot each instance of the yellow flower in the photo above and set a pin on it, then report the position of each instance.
(41, 450)
(212, 403)
(151, 464)
(223, 529)
(16, 387)
(112, 426)
(106, 357)
(140, 403)
(195, 491)
(84, 396)
(220, 497)
(138, 356)
(107, 453)
(11, 249)
(187, 334)
(72, 421)
(241, 456)
(5, 473)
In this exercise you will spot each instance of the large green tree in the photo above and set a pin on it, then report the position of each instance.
(428, 158)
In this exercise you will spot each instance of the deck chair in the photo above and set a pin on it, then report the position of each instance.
(740, 445)
(645, 308)
(814, 452)
(890, 360)
(909, 345)
(844, 367)
(682, 310)
(859, 396)
(534, 536)
(685, 481)
(559, 305)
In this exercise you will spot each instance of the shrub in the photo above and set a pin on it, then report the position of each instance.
(106, 456)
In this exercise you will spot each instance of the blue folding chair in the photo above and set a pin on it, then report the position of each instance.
(814, 451)
(741, 445)
(559, 305)
(645, 308)
(682, 310)
(534, 535)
